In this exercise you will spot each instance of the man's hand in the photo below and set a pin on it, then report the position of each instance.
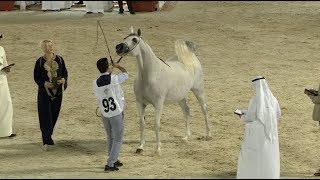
(6, 70)
(116, 65)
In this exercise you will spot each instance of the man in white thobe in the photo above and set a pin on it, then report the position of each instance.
(55, 5)
(260, 156)
(98, 6)
(6, 110)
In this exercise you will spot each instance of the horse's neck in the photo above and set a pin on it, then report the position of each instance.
(147, 60)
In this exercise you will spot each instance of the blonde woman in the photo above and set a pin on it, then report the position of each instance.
(51, 75)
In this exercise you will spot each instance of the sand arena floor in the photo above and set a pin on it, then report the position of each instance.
(235, 40)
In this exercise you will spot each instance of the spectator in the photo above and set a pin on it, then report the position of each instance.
(315, 98)
(98, 6)
(259, 156)
(130, 7)
(6, 109)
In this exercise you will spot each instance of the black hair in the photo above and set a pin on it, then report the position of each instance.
(258, 79)
(103, 64)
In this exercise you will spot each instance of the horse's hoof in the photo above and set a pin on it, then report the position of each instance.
(185, 139)
(158, 153)
(139, 151)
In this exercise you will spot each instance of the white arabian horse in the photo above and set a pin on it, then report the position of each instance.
(159, 82)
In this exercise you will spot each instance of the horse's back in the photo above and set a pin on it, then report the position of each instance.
(173, 78)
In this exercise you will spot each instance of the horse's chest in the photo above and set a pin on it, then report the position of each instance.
(147, 91)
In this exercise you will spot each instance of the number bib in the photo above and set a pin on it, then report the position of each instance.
(109, 100)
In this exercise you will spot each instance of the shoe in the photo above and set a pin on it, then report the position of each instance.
(118, 164)
(107, 168)
(45, 147)
(13, 135)
(89, 13)
(121, 12)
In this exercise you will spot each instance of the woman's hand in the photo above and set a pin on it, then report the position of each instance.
(48, 84)
(61, 81)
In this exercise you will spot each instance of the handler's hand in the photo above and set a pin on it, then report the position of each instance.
(115, 64)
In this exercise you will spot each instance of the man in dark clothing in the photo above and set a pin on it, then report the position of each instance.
(130, 7)
(79, 2)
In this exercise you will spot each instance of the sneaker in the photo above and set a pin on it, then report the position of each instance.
(118, 164)
(107, 168)
(13, 135)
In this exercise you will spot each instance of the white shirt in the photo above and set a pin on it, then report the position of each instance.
(110, 98)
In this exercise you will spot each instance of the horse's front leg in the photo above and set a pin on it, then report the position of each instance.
(141, 109)
(157, 130)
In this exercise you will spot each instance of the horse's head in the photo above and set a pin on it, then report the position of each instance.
(129, 44)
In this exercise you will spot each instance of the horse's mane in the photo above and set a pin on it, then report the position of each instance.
(186, 53)
(147, 45)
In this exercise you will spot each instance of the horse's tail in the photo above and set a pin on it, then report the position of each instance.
(186, 54)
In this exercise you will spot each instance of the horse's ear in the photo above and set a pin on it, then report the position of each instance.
(131, 29)
(139, 32)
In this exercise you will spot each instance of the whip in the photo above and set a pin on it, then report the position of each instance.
(105, 39)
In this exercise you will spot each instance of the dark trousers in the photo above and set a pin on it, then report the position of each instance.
(129, 4)
(48, 112)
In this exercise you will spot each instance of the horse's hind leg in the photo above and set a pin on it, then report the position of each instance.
(141, 109)
(186, 113)
(199, 93)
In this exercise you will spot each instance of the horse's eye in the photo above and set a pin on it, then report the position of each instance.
(135, 40)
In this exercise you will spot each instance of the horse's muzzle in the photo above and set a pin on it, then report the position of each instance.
(122, 48)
